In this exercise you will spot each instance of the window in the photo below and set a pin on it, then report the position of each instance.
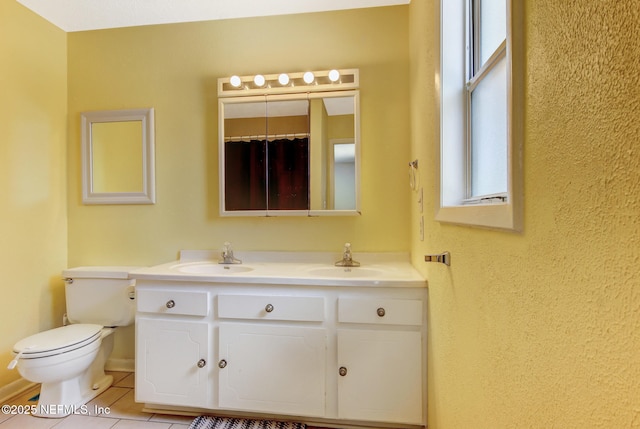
(481, 110)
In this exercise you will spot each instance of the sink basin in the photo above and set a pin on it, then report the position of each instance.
(344, 272)
(210, 268)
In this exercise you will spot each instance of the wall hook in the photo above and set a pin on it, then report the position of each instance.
(444, 258)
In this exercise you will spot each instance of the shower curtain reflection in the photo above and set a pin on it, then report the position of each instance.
(267, 174)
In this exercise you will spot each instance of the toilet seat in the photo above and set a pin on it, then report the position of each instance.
(57, 341)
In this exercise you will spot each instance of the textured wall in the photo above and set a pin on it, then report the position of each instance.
(542, 329)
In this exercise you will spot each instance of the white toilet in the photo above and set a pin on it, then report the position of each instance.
(69, 361)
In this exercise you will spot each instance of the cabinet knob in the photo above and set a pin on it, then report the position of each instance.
(202, 363)
(381, 312)
(171, 303)
(342, 371)
(222, 363)
(268, 308)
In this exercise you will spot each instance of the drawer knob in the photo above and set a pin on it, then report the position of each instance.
(202, 363)
(342, 371)
(381, 312)
(268, 308)
(222, 363)
(171, 303)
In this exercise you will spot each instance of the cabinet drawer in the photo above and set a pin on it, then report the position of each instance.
(190, 303)
(296, 308)
(380, 311)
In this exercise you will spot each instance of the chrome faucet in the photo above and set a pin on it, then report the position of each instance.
(227, 255)
(347, 259)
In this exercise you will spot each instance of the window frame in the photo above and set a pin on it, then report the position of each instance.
(502, 211)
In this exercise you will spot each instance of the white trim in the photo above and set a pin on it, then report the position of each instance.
(451, 190)
(120, 365)
(14, 389)
(148, 193)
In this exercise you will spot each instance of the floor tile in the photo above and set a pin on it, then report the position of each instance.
(117, 375)
(23, 421)
(176, 426)
(102, 404)
(127, 381)
(83, 422)
(127, 408)
(137, 424)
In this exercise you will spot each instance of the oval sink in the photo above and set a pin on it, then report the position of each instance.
(211, 268)
(344, 272)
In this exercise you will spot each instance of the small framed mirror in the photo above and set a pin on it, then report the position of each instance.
(118, 157)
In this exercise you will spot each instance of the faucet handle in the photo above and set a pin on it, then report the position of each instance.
(227, 255)
(347, 259)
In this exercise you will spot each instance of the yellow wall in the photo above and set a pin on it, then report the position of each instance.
(33, 222)
(174, 68)
(541, 329)
(116, 154)
(534, 329)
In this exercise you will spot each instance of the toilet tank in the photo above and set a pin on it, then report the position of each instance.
(100, 295)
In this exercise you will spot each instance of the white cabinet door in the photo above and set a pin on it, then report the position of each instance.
(274, 369)
(172, 362)
(380, 376)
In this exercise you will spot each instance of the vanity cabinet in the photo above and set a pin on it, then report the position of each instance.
(324, 354)
(275, 368)
(381, 371)
(173, 356)
(173, 347)
(272, 369)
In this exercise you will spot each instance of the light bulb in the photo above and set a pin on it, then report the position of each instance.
(235, 81)
(308, 77)
(259, 80)
(283, 79)
(334, 75)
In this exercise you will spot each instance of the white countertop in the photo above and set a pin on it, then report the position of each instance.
(287, 268)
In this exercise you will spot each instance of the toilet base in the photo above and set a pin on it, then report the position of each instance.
(51, 406)
(62, 398)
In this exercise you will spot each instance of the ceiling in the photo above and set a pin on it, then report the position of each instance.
(82, 15)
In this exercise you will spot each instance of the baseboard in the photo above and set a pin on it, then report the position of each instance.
(14, 389)
(121, 365)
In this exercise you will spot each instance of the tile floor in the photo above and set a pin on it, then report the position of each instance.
(124, 412)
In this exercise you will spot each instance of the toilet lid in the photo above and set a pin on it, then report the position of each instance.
(57, 340)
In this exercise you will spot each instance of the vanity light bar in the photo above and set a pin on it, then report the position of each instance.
(282, 83)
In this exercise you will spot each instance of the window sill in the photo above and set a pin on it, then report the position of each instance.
(496, 216)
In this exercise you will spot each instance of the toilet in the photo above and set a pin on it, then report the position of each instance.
(69, 361)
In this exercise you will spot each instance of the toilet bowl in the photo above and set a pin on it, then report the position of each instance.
(69, 361)
(60, 359)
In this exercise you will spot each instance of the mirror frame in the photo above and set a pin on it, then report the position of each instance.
(280, 97)
(148, 193)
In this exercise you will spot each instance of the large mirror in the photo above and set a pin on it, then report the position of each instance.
(118, 157)
(295, 154)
